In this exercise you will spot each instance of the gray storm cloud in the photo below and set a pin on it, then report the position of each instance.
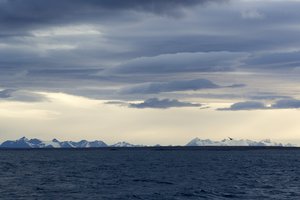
(19, 14)
(129, 49)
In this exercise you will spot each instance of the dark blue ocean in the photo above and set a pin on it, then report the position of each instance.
(150, 173)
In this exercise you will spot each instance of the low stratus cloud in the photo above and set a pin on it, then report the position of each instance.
(162, 104)
(276, 60)
(247, 105)
(255, 105)
(6, 93)
(174, 86)
(267, 96)
(185, 85)
(286, 103)
(22, 96)
(182, 62)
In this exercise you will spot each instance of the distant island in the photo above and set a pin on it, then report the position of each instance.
(37, 143)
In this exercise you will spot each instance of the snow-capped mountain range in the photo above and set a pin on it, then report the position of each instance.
(37, 143)
(233, 142)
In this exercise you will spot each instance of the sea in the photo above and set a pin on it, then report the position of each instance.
(150, 173)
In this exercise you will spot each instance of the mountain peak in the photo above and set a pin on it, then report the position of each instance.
(23, 138)
(34, 141)
(123, 144)
(55, 140)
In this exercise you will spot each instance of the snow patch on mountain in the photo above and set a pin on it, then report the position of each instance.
(124, 144)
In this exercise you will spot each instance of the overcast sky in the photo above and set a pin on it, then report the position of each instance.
(150, 71)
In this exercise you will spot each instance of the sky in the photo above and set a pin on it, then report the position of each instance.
(148, 71)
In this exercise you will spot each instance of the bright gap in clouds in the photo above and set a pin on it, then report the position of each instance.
(69, 117)
(74, 30)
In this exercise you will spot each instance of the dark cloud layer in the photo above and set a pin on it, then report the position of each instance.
(152, 88)
(247, 105)
(277, 60)
(18, 14)
(127, 50)
(182, 62)
(286, 103)
(162, 104)
(174, 86)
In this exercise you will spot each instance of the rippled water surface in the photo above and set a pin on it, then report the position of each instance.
(185, 173)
